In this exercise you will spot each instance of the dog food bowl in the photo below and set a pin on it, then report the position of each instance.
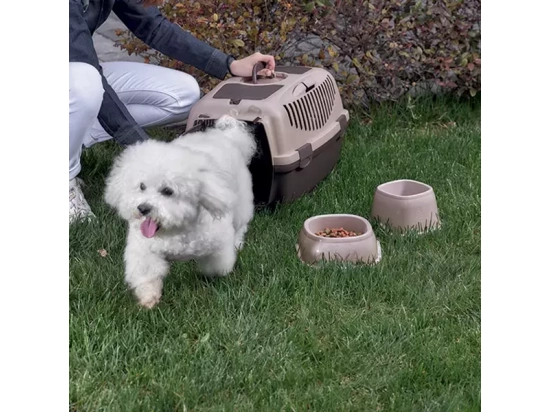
(405, 205)
(363, 248)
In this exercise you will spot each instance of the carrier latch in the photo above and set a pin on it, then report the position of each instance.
(305, 152)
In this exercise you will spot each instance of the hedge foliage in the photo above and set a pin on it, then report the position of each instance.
(378, 49)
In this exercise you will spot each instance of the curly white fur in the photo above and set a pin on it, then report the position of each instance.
(187, 199)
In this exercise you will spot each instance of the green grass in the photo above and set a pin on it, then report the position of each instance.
(403, 335)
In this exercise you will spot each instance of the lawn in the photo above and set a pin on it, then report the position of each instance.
(403, 335)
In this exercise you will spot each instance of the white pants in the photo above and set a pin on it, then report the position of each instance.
(154, 96)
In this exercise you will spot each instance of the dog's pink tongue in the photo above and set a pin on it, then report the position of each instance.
(148, 228)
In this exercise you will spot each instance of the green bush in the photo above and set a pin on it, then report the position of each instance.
(378, 50)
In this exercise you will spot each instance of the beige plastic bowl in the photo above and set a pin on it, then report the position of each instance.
(364, 248)
(406, 204)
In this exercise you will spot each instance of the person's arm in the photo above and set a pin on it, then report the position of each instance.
(113, 115)
(151, 27)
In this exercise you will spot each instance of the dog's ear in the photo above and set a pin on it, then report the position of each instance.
(215, 194)
(114, 183)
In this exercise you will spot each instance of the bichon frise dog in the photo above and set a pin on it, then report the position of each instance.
(189, 199)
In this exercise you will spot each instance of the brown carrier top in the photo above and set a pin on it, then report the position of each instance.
(300, 109)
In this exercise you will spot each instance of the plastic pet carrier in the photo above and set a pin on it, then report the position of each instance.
(298, 120)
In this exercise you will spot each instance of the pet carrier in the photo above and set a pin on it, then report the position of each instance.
(298, 120)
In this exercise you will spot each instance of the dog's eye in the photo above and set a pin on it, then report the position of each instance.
(166, 191)
(142, 186)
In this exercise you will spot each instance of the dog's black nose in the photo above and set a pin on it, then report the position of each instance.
(144, 209)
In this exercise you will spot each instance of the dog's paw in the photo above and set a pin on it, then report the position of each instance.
(210, 269)
(239, 238)
(148, 294)
(239, 244)
(219, 264)
(149, 302)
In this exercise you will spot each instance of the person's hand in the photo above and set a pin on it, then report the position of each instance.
(243, 67)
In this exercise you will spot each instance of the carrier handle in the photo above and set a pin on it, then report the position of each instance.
(257, 67)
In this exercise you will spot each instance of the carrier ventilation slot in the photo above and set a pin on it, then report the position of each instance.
(312, 111)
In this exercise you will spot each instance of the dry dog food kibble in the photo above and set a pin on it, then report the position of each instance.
(341, 232)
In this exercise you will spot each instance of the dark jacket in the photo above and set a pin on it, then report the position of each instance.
(147, 24)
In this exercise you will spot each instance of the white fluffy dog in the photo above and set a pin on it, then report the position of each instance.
(189, 199)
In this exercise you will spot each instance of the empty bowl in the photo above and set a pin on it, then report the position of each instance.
(314, 247)
(406, 204)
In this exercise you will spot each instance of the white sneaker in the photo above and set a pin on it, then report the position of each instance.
(79, 209)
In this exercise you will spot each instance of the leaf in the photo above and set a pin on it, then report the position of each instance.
(473, 92)
(205, 338)
(215, 17)
(238, 43)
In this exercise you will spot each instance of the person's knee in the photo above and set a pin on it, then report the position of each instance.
(194, 91)
(188, 95)
(85, 88)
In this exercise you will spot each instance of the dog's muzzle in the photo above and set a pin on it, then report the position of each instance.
(144, 209)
